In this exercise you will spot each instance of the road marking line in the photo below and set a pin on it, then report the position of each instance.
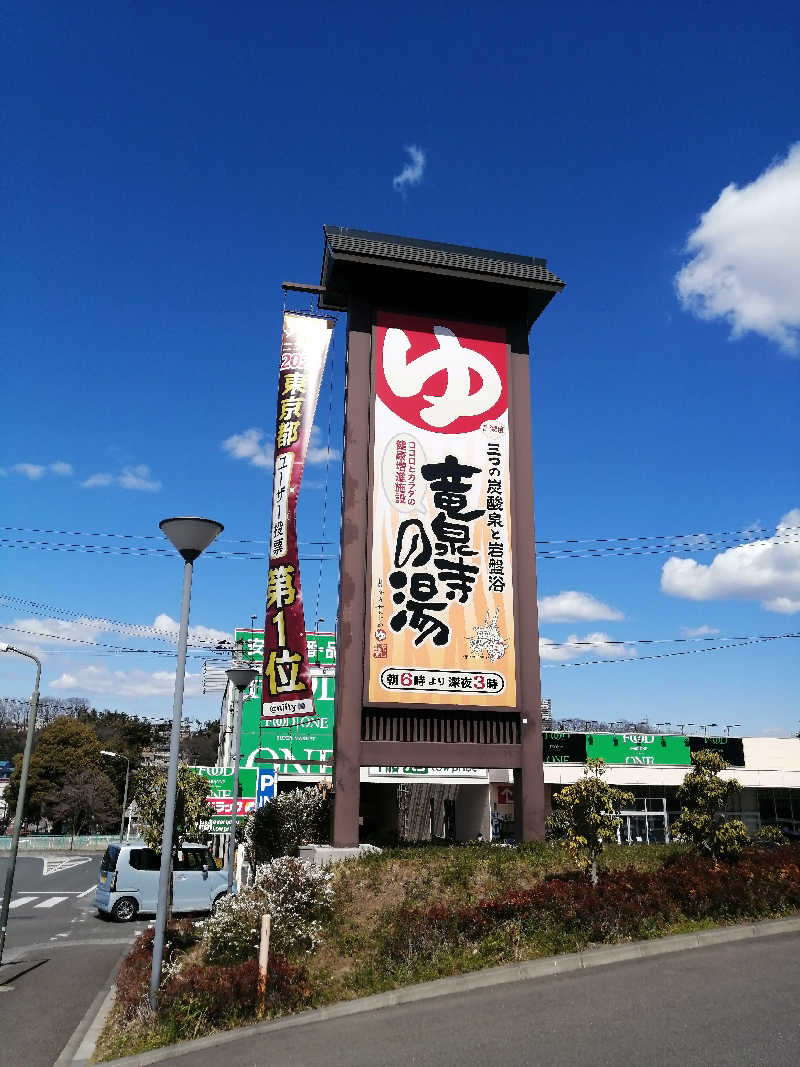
(19, 902)
(86, 892)
(54, 866)
(64, 892)
(50, 902)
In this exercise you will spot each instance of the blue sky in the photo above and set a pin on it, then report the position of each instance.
(165, 168)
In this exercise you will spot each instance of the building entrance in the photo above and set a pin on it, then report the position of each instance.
(646, 823)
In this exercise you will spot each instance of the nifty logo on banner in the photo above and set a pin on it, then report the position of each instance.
(286, 683)
(441, 596)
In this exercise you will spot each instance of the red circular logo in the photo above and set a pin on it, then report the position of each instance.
(440, 375)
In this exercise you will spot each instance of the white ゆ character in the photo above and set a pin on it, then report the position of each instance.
(408, 379)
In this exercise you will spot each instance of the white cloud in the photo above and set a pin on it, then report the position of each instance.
(318, 452)
(3, 472)
(55, 632)
(59, 633)
(412, 172)
(61, 468)
(125, 683)
(204, 635)
(96, 480)
(767, 570)
(34, 471)
(250, 445)
(595, 645)
(573, 606)
(137, 478)
(699, 631)
(746, 257)
(258, 450)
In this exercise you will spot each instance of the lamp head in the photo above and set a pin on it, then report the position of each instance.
(190, 535)
(241, 677)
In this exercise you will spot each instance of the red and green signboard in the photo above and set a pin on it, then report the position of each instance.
(223, 794)
(296, 744)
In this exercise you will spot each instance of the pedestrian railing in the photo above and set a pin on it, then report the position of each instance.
(61, 842)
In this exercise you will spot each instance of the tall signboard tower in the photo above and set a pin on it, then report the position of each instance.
(438, 650)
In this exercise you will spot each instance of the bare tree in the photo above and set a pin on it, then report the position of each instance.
(86, 801)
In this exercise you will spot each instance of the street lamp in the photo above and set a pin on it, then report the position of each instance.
(190, 536)
(118, 755)
(732, 726)
(659, 724)
(240, 678)
(23, 783)
(707, 726)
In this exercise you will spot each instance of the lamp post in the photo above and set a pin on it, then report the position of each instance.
(240, 678)
(23, 783)
(190, 536)
(118, 755)
(732, 726)
(707, 726)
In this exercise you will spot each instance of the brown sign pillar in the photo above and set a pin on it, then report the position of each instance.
(478, 308)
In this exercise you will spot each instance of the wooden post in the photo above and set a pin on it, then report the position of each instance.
(263, 959)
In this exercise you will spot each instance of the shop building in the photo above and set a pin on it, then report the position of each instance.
(461, 803)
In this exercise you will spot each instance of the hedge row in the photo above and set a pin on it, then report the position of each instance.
(625, 904)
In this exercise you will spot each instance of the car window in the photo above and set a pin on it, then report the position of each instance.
(188, 860)
(109, 860)
(145, 859)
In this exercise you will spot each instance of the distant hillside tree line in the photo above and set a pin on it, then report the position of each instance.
(72, 787)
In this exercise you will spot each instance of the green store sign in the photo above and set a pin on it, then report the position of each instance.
(639, 750)
(297, 744)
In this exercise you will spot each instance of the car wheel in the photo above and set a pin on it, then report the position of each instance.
(217, 900)
(124, 910)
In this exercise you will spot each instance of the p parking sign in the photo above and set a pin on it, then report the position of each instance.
(265, 787)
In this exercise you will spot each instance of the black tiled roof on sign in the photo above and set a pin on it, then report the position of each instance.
(412, 252)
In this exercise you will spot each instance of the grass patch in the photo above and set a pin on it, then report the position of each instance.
(416, 914)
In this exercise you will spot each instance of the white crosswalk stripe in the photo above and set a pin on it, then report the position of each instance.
(50, 902)
(19, 902)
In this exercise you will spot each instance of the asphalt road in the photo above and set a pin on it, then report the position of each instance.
(53, 925)
(731, 1005)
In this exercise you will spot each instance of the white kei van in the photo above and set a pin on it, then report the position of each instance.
(128, 880)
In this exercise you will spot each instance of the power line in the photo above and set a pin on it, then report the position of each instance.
(620, 551)
(133, 550)
(697, 539)
(668, 655)
(133, 628)
(141, 630)
(608, 551)
(142, 537)
(734, 642)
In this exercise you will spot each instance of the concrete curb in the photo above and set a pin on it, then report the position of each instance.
(493, 976)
